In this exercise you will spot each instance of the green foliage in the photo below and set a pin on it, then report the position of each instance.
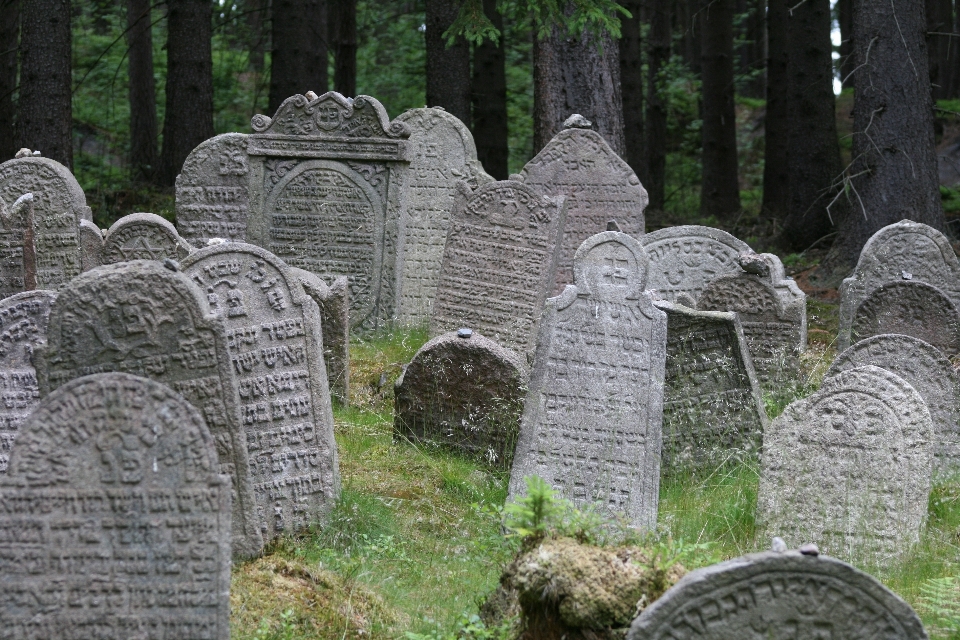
(940, 599)
(950, 198)
(391, 54)
(593, 17)
(469, 627)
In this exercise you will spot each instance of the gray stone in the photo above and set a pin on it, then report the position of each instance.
(13, 222)
(911, 308)
(442, 154)
(143, 236)
(592, 417)
(273, 335)
(117, 522)
(848, 468)
(141, 318)
(778, 595)
(334, 303)
(91, 246)
(499, 263)
(464, 394)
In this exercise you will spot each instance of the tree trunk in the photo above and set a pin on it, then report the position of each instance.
(448, 68)
(631, 87)
(299, 59)
(45, 116)
(750, 54)
(9, 32)
(939, 23)
(688, 24)
(256, 16)
(656, 143)
(490, 100)
(143, 97)
(720, 191)
(188, 120)
(845, 19)
(343, 24)
(776, 171)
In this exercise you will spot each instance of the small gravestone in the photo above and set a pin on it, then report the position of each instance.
(23, 327)
(910, 308)
(442, 154)
(592, 418)
(142, 236)
(848, 468)
(13, 221)
(147, 319)
(212, 190)
(91, 246)
(499, 263)
(273, 336)
(117, 521)
(334, 303)
(774, 595)
(599, 186)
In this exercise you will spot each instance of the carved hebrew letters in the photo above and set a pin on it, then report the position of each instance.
(910, 308)
(142, 236)
(213, 197)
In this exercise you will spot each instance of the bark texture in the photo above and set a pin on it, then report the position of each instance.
(776, 172)
(448, 68)
(656, 143)
(489, 96)
(143, 95)
(9, 33)
(299, 39)
(631, 87)
(343, 29)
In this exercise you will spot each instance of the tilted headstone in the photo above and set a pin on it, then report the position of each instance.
(911, 308)
(334, 303)
(848, 468)
(499, 263)
(599, 186)
(778, 595)
(91, 246)
(442, 153)
(13, 221)
(116, 522)
(592, 417)
(273, 335)
(143, 236)
(147, 319)
(213, 191)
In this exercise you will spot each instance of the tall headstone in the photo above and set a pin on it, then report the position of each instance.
(91, 245)
(142, 236)
(592, 418)
(147, 319)
(911, 308)
(499, 263)
(275, 345)
(848, 468)
(13, 221)
(116, 521)
(334, 303)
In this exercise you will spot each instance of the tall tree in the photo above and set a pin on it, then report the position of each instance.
(489, 95)
(750, 53)
(256, 17)
(631, 88)
(143, 95)
(44, 106)
(776, 137)
(845, 20)
(448, 67)
(298, 62)
(343, 39)
(656, 142)
(940, 45)
(9, 32)
(687, 24)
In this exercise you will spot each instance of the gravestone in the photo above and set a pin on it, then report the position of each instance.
(13, 221)
(778, 595)
(213, 191)
(334, 303)
(23, 327)
(910, 308)
(117, 524)
(926, 369)
(142, 236)
(463, 392)
(848, 468)
(442, 153)
(592, 417)
(326, 178)
(599, 186)
(91, 246)
(499, 263)
(147, 319)
(273, 336)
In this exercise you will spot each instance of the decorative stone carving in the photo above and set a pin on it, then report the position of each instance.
(334, 303)
(143, 236)
(910, 308)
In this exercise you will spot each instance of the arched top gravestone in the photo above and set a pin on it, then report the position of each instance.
(911, 308)
(127, 530)
(142, 236)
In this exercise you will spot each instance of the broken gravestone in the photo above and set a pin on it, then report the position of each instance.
(334, 303)
(127, 534)
(142, 236)
(14, 221)
(592, 417)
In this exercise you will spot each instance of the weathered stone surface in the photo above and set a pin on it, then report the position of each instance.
(848, 468)
(778, 595)
(213, 191)
(911, 308)
(592, 418)
(23, 327)
(13, 222)
(334, 303)
(91, 246)
(117, 522)
(463, 393)
(442, 154)
(273, 335)
(499, 263)
(143, 318)
(143, 236)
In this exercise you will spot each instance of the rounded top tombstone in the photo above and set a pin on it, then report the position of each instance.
(142, 236)
(907, 307)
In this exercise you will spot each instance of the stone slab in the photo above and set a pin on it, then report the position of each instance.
(91, 246)
(334, 303)
(13, 221)
(911, 308)
(143, 236)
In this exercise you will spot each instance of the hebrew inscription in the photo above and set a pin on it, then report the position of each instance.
(142, 236)
(911, 308)
(212, 190)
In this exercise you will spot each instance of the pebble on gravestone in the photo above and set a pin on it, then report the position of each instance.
(127, 534)
(464, 392)
(774, 594)
(592, 418)
(145, 318)
(143, 236)
(849, 467)
(334, 303)
(443, 153)
(911, 308)
(499, 262)
(13, 221)
(91, 246)
(275, 345)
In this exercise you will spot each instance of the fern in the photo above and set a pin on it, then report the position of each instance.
(940, 598)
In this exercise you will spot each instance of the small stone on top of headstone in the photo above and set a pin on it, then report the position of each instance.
(577, 121)
(23, 153)
(754, 264)
(906, 275)
(310, 95)
(613, 226)
(464, 333)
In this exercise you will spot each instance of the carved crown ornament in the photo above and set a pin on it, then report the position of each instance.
(331, 115)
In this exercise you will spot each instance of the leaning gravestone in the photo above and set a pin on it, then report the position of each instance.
(334, 303)
(145, 318)
(142, 236)
(599, 186)
(911, 308)
(13, 222)
(442, 154)
(848, 468)
(499, 263)
(777, 595)
(117, 523)
(23, 327)
(592, 418)
(273, 335)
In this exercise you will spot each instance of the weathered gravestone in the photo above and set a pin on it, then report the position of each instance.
(91, 246)
(334, 303)
(116, 522)
(13, 223)
(848, 468)
(142, 236)
(599, 186)
(213, 191)
(499, 263)
(147, 319)
(273, 335)
(326, 178)
(778, 595)
(464, 392)
(911, 308)
(592, 418)
(442, 154)
(23, 327)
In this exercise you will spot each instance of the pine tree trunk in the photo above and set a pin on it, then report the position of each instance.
(776, 172)
(656, 143)
(631, 87)
(688, 25)
(489, 95)
(448, 68)
(298, 62)
(143, 97)
(256, 16)
(343, 24)
(940, 22)
(9, 33)
(845, 19)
